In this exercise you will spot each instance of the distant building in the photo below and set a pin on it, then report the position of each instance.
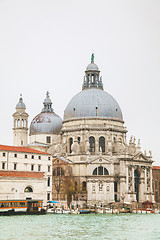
(92, 140)
(25, 173)
(156, 183)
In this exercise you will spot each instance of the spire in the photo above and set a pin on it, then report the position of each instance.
(20, 104)
(92, 77)
(47, 104)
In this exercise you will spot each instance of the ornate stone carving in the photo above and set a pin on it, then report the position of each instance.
(56, 149)
(75, 148)
(109, 147)
(120, 147)
(132, 150)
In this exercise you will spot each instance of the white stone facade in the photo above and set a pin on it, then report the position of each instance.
(92, 138)
(22, 167)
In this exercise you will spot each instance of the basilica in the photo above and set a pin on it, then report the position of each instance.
(88, 146)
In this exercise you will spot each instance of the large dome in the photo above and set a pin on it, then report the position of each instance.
(93, 103)
(46, 121)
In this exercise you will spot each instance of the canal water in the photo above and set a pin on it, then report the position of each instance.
(92, 226)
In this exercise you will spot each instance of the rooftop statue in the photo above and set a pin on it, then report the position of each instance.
(92, 58)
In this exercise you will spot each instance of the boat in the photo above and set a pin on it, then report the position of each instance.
(83, 211)
(21, 207)
(147, 208)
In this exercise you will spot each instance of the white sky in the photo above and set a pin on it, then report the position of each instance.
(46, 45)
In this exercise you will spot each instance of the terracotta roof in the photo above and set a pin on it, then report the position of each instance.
(22, 174)
(156, 167)
(20, 149)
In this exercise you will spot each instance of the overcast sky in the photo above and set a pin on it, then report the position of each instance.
(46, 45)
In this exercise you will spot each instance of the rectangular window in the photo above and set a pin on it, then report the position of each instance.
(48, 196)
(39, 168)
(15, 155)
(21, 142)
(49, 168)
(39, 157)
(25, 155)
(32, 167)
(48, 181)
(49, 158)
(156, 184)
(156, 196)
(4, 154)
(48, 139)
(32, 157)
(3, 165)
(15, 166)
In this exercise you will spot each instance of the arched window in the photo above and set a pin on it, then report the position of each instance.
(25, 125)
(70, 144)
(95, 171)
(84, 186)
(58, 171)
(79, 140)
(28, 189)
(18, 123)
(100, 171)
(15, 123)
(102, 144)
(91, 144)
(106, 171)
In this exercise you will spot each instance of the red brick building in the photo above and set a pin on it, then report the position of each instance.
(156, 182)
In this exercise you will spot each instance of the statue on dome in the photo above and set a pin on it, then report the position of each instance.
(47, 94)
(92, 58)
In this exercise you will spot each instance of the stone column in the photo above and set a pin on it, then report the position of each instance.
(111, 194)
(127, 179)
(133, 190)
(122, 178)
(96, 144)
(142, 185)
(151, 187)
(145, 182)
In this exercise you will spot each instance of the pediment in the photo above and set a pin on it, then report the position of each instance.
(140, 157)
(100, 160)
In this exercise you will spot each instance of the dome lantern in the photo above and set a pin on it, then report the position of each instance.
(92, 77)
(20, 104)
(47, 104)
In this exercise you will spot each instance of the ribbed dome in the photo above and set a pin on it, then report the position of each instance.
(46, 122)
(93, 103)
(92, 67)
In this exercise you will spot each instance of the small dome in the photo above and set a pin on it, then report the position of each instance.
(93, 103)
(46, 122)
(20, 104)
(92, 67)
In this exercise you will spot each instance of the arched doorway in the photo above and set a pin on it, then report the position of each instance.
(136, 184)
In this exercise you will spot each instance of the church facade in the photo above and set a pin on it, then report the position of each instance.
(91, 143)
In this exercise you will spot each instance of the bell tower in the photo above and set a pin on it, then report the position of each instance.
(20, 124)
